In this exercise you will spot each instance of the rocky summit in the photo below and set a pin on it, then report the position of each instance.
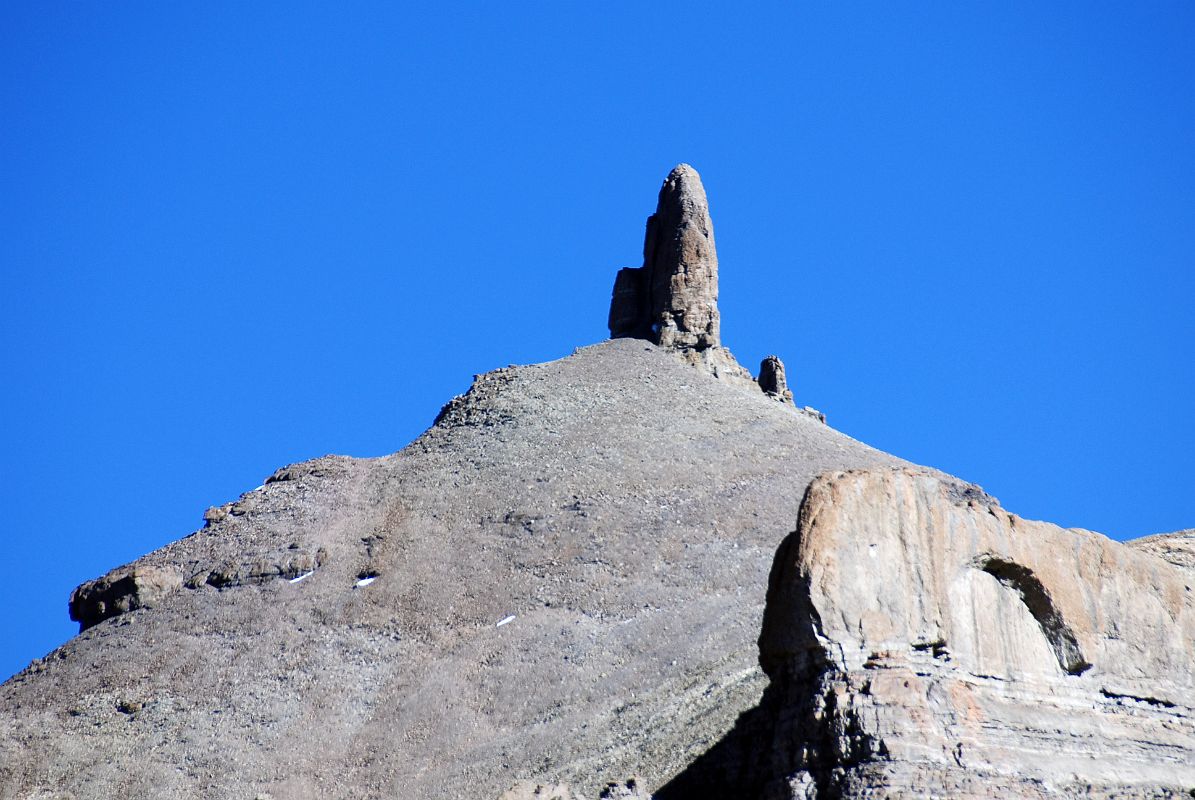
(634, 572)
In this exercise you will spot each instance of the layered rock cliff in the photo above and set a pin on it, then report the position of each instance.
(619, 575)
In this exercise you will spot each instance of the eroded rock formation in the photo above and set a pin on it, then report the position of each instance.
(672, 300)
(922, 641)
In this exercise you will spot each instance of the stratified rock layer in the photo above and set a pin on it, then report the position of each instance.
(120, 591)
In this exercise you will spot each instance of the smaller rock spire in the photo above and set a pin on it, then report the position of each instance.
(772, 380)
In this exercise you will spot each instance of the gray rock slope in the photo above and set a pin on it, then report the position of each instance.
(620, 505)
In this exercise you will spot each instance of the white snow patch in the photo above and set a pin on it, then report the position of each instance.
(505, 620)
(298, 578)
(366, 581)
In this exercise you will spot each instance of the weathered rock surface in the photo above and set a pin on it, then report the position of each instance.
(922, 641)
(681, 264)
(672, 300)
(1177, 548)
(527, 790)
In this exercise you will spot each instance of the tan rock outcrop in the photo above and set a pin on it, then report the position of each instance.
(921, 638)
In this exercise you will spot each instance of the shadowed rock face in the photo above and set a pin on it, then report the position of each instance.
(673, 298)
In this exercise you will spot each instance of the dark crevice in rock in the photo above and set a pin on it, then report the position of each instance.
(1153, 701)
(936, 648)
(1037, 599)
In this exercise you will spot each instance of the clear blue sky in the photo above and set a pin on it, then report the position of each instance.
(239, 235)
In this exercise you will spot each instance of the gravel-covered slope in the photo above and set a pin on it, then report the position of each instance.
(568, 569)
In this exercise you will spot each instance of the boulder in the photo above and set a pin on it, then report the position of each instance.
(120, 591)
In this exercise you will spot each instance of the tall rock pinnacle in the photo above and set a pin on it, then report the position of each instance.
(673, 298)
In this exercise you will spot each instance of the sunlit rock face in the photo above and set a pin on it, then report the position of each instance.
(920, 638)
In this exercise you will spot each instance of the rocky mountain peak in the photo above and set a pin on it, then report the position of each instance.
(611, 576)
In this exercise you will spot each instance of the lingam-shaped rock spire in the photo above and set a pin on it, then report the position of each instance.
(673, 298)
